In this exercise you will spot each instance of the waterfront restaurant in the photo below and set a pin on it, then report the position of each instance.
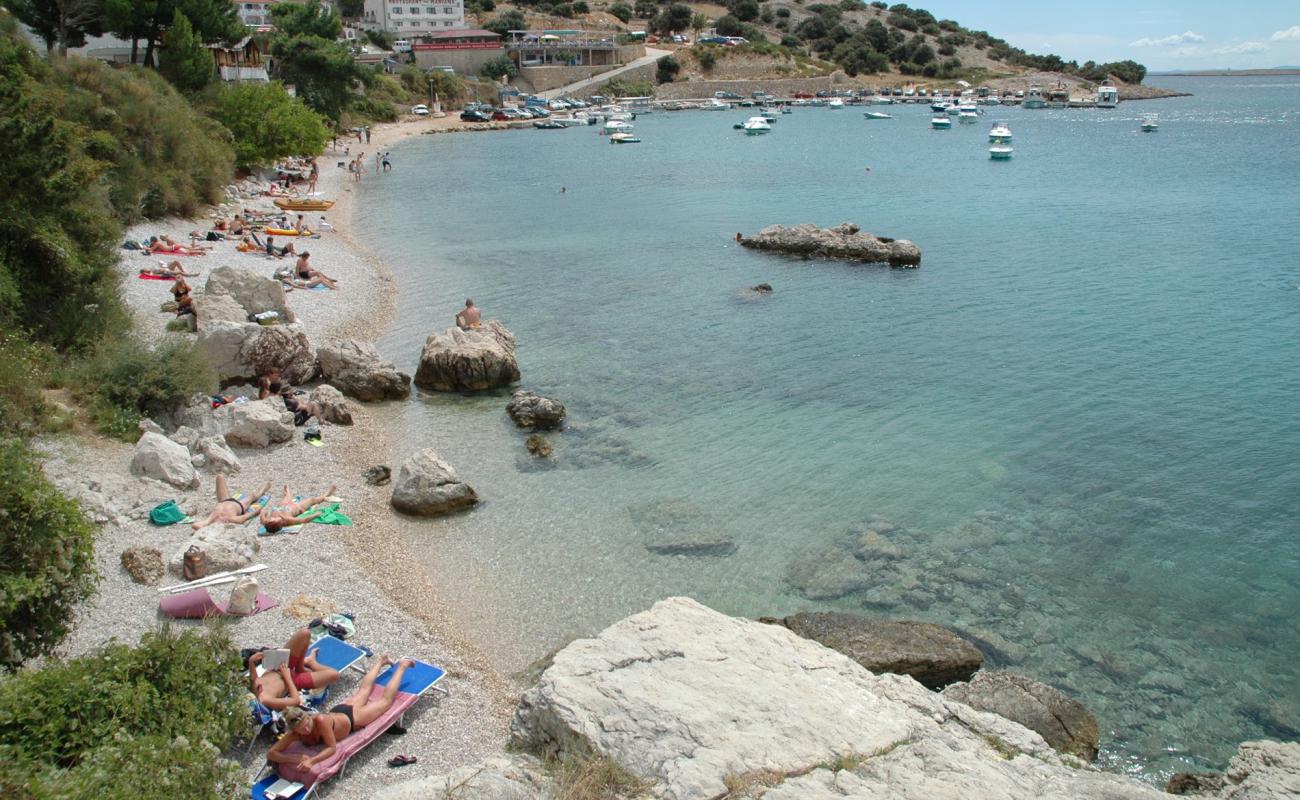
(564, 48)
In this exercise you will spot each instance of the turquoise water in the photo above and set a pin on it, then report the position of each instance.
(1076, 423)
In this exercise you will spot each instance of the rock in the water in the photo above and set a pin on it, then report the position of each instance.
(697, 547)
(1058, 718)
(217, 456)
(427, 486)
(378, 475)
(830, 571)
(458, 360)
(254, 293)
(1195, 784)
(358, 370)
(697, 701)
(158, 457)
(227, 547)
(763, 288)
(143, 564)
(538, 446)
(934, 656)
(257, 423)
(531, 410)
(334, 407)
(243, 351)
(845, 240)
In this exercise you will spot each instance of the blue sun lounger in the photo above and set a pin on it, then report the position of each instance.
(336, 653)
(418, 680)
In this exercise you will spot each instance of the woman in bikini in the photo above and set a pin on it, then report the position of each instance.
(278, 690)
(332, 727)
(228, 509)
(166, 246)
(288, 512)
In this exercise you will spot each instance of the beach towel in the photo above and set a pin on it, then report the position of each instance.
(167, 513)
(149, 276)
(331, 515)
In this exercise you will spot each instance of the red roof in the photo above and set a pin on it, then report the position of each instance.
(460, 34)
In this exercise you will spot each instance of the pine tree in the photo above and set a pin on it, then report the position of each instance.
(184, 60)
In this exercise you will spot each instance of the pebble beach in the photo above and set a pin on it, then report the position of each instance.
(359, 570)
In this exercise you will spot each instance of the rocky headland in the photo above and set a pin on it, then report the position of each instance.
(844, 241)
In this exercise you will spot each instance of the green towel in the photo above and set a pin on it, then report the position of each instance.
(167, 513)
(330, 515)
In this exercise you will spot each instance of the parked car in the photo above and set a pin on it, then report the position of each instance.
(726, 95)
(401, 46)
(421, 110)
(539, 112)
(712, 40)
(473, 115)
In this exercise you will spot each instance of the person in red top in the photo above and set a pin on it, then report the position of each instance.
(278, 690)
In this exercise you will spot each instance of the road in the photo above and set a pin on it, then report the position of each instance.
(651, 55)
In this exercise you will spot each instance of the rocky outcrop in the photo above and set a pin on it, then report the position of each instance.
(257, 423)
(333, 406)
(513, 777)
(538, 446)
(699, 702)
(1058, 718)
(254, 293)
(531, 410)
(427, 486)
(160, 458)
(243, 351)
(210, 309)
(358, 370)
(845, 240)
(227, 547)
(1263, 771)
(143, 564)
(934, 656)
(464, 361)
(216, 456)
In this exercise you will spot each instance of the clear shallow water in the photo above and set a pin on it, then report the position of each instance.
(1079, 413)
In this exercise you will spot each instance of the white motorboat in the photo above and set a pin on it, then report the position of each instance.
(623, 137)
(939, 107)
(1150, 123)
(1000, 152)
(968, 115)
(569, 122)
(1000, 133)
(940, 122)
(756, 125)
(616, 126)
(715, 104)
(1107, 96)
(876, 115)
(835, 103)
(770, 114)
(880, 100)
(1034, 97)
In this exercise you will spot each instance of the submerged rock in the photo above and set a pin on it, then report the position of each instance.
(934, 656)
(531, 410)
(468, 360)
(1058, 718)
(538, 446)
(845, 240)
(694, 547)
(427, 486)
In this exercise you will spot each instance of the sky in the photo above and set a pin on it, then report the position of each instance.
(1162, 34)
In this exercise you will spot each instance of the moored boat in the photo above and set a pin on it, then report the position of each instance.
(876, 115)
(756, 125)
(1000, 152)
(1000, 133)
(1034, 97)
(940, 122)
(1107, 96)
(835, 103)
(1150, 123)
(967, 114)
(623, 137)
(290, 204)
(616, 126)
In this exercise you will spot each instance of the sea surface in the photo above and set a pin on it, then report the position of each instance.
(1074, 431)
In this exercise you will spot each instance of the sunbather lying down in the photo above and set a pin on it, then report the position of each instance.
(172, 270)
(228, 509)
(287, 512)
(330, 728)
(278, 690)
(167, 246)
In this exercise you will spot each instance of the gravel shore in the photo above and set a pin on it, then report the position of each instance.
(359, 569)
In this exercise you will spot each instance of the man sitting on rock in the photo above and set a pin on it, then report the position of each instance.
(278, 689)
(287, 512)
(468, 317)
(230, 510)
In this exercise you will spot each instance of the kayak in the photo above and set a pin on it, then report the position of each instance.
(304, 205)
(286, 232)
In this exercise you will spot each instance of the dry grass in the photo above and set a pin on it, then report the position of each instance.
(743, 785)
(595, 778)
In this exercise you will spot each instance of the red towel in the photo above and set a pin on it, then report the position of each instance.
(145, 276)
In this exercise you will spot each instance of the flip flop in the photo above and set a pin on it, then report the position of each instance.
(401, 760)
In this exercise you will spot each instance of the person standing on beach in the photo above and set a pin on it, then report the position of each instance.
(311, 179)
(388, 165)
(468, 317)
(378, 158)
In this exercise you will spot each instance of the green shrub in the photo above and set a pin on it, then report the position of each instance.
(125, 380)
(46, 560)
(666, 70)
(267, 124)
(126, 722)
(622, 12)
(24, 367)
(706, 57)
(501, 66)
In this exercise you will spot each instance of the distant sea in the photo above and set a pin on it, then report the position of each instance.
(1077, 423)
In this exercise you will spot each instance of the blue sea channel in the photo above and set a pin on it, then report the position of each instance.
(1075, 429)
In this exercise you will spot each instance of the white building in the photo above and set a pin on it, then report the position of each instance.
(406, 19)
(255, 13)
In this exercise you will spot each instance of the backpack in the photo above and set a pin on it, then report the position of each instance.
(167, 513)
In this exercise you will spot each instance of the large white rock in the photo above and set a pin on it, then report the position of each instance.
(514, 777)
(217, 456)
(257, 423)
(691, 698)
(158, 457)
(244, 351)
(428, 486)
(227, 547)
(357, 369)
(210, 309)
(1263, 771)
(254, 293)
(457, 360)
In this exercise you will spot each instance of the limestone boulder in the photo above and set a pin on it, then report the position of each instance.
(1058, 718)
(934, 656)
(217, 456)
(845, 240)
(459, 361)
(143, 564)
(506, 777)
(160, 458)
(1263, 770)
(211, 309)
(254, 293)
(257, 423)
(698, 703)
(358, 371)
(427, 486)
(243, 351)
(227, 547)
(334, 407)
(531, 410)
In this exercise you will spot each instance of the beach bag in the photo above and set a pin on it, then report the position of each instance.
(340, 626)
(194, 564)
(243, 598)
(167, 513)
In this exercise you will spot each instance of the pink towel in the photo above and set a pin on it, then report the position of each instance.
(198, 603)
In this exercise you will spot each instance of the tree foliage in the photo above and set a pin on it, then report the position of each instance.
(147, 20)
(184, 60)
(510, 20)
(499, 67)
(674, 19)
(666, 69)
(622, 12)
(267, 124)
(60, 23)
(308, 57)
